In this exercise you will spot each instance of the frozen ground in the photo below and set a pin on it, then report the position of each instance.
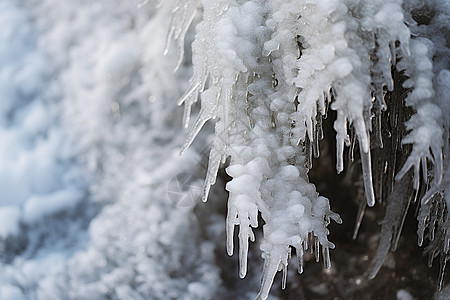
(96, 202)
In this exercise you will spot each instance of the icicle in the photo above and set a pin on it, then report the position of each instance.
(316, 249)
(326, 257)
(243, 248)
(180, 37)
(183, 15)
(340, 125)
(169, 37)
(353, 141)
(328, 100)
(271, 264)
(206, 187)
(191, 94)
(308, 153)
(319, 128)
(251, 234)
(340, 155)
(367, 176)
(210, 99)
(186, 116)
(306, 242)
(213, 164)
(284, 278)
(299, 251)
(315, 142)
(316, 148)
(231, 221)
(192, 91)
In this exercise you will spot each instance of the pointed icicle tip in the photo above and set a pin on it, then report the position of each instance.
(206, 188)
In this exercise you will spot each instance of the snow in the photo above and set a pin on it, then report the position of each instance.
(82, 87)
(34, 163)
(9, 221)
(97, 201)
(38, 207)
(11, 292)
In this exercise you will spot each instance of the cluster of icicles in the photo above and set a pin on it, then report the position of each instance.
(267, 72)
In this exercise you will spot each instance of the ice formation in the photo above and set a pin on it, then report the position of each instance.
(267, 72)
